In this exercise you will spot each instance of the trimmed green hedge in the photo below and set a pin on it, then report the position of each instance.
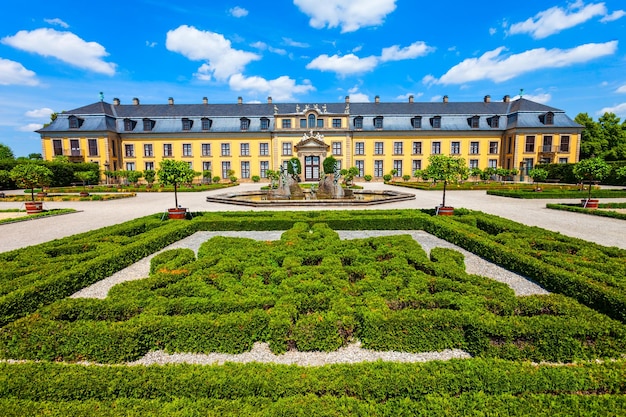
(602, 213)
(551, 193)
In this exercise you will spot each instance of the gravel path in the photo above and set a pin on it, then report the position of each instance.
(261, 353)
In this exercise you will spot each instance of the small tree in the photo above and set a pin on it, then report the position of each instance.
(592, 169)
(172, 172)
(475, 173)
(447, 169)
(329, 165)
(4, 178)
(133, 176)
(207, 176)
(538, 175)
(86, 177)
(149, 175)
(30, 176)
(621, 172)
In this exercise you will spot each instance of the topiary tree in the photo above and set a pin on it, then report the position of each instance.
(294, 167)
(4, 178)
(149, 175)
(172, 172)
(592, 169)
(447, 169)
(30, 176)
(133, 176)
(538, 175)
(329, 165)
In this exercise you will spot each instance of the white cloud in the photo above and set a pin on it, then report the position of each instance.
(619, 110)
(494, 66)
(493, 31)
(429, 80)
(39, 113)
(351, 15)
(280, 89)
(238, 12)
(343, 65)
(359, 98)
(197, 45)
(151, 44)
(556, 19)
(262, 46)
(407, 95)
(58, 22)
(14, 73)
(64, 46)
(416, 49)
(31, 127)
(539, 98)
(618, 14)
(295, 44)
(621, 89)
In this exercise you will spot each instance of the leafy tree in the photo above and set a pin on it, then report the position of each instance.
(621, 172)
(133, 176)
(30, 176)
(6, 152)
(329, 165)
(35, 156)
(172, 172)
(592, 169)
(447, 169)
(592, 138)
(4, 178)
(86, 177)
(475, 173)
(206, 175)
(538, 174)
(150, 175)
(614, 132)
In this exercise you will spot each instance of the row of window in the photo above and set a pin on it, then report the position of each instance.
(187, 149)
(416, 149)
(547, 144)
(312, 122)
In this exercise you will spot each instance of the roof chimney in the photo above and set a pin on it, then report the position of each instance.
(411, 98)
(347, 99)
(116, 101)
(445, 99)
(487, 99)
(506, 98)
(377, 99)
(170, 101)
(205, 100)
(269, 100)
(239, 100)
(135, 101)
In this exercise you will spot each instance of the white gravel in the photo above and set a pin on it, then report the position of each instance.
(261, 353)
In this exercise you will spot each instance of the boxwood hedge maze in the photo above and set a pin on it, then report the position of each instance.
(312, 291)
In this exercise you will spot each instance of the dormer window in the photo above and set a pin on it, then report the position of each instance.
(474, 122)
(494, 122)
(129, 124)
(416, 122)
(206, 123)
(378, 122)
(548, 118)
(244, 123)
(358, 122)
(75, 122)
(435, 122)
(312, 122)
(187, 124)
(148, 125)
(265, 123)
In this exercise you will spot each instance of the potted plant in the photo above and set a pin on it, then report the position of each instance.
(31, 175)
(172, 172)
(207, 176)
(367, 177)
(85, 177)
(592, 169)
(447, 169)
(538, 175)
(133, 177)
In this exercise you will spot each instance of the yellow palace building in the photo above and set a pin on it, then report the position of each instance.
(250, 139)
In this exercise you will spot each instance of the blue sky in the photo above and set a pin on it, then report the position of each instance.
(60, 55)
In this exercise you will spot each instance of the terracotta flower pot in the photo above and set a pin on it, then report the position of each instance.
(177, 213)
(84, 194)
(445, 211)
(34, 207)
(589, 203)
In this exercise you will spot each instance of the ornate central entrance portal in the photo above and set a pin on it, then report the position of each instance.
(311, 168)
(312, 150)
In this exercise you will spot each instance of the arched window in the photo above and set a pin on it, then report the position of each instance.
(311, 121)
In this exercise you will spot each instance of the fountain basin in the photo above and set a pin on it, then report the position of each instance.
(359, 198)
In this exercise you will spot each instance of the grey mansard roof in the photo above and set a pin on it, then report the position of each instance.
(102, 116)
